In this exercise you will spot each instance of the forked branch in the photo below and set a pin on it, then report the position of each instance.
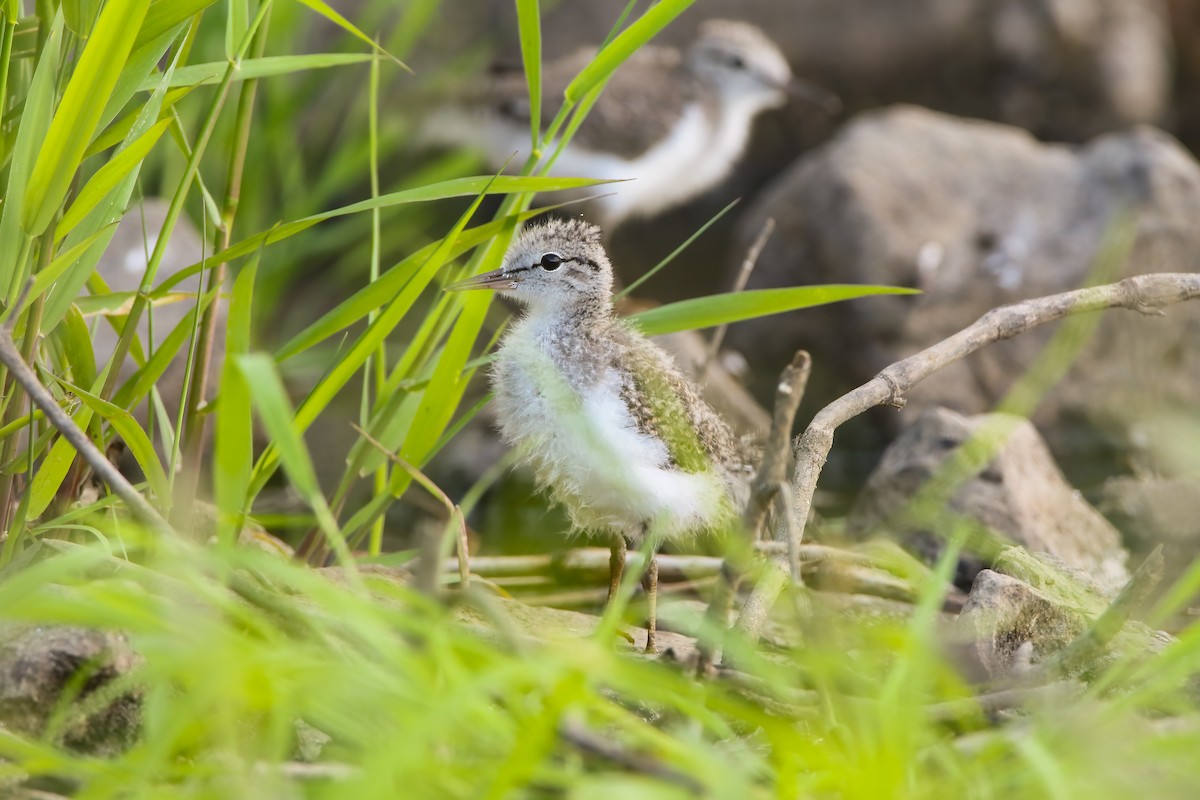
(1146, 294)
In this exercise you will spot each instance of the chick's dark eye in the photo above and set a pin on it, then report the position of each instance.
(551, 261)
(737, 62)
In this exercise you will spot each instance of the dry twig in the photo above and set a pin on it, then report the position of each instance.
(770, 483)
(101, 466)
(1146, 294)
(587, 741)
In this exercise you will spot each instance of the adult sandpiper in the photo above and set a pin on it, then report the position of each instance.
(675, 122)
(609, 425)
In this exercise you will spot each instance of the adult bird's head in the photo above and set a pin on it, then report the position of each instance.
(745, 66)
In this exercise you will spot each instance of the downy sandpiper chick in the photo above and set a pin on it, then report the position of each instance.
(610, 426)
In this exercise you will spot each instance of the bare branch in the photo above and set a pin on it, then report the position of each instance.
(1146, 294)
(769, 482)
(100, 465)
(587, 741)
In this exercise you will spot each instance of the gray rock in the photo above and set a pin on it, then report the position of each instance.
(1013, 626)
(978, 215)
(123, 266)
(1065, 69)
(39, 663)
(1027, 610)
(1017, 497)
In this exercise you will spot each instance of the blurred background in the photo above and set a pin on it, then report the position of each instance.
(985, 152)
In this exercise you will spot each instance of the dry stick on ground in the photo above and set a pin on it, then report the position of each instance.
(594, 743)
(1146, 294)
(770, 482)
(100, 465)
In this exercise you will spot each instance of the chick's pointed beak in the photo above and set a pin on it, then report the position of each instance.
(495, 280)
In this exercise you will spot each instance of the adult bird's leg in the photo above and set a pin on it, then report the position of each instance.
(616, 564)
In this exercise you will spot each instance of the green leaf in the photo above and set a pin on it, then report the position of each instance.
(530, 25)
(721, 309)
(624, 45)
(233, 450)
(61, 263)
(75, 340)
(449, 381)
(142, 63)
(141, 382)
(101, 219)
(132, 434)
(35, 121)
(254, 68)
(266, 389)
(79, 111)
(377, 294)
(324, 10)
(80, 16)
(387, 320)
(53, 470)
(458, 187)
(108, 177)
(164, 15)
(117, 131)
(237, 22)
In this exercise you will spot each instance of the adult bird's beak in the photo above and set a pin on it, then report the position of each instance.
(496, 279)
(824, 99)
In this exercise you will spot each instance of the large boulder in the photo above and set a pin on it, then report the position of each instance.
(1018, 497)
(977, 215)
(1065, 69)
(1025, 613)
(42, 666)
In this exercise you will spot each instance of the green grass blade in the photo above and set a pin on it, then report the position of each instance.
(266, 389)
(61, 263)
(79, 111)
(529, 23)
(458, 187)
(134, 437)
(75, 341)
(117, 131)
(624, 45)
(212, 72)
(441, 398)
(233, 455)
(138, 385)
(164, 15)
(650, 273)
(722, 309)
(324, 10)
(108, 177)
(35, 121)
(101, 219)
(237, 22)
(377, 294)
(53, 470)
